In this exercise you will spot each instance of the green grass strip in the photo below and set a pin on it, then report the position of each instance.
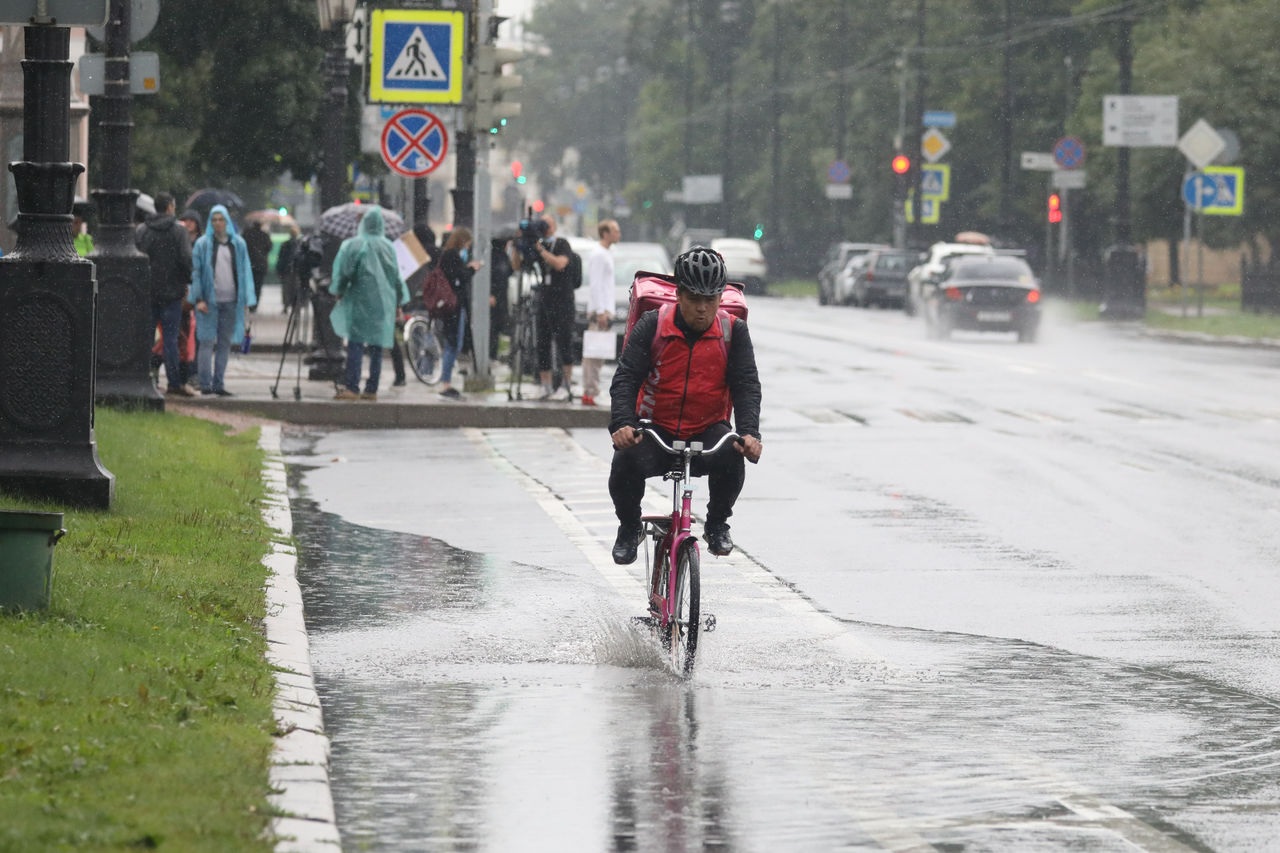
(793, 288)
(136, 712)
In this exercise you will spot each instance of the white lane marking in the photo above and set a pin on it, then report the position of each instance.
(890, 830)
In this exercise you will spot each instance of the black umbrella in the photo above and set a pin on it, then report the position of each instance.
(204, 200)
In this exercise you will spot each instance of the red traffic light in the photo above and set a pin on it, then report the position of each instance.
(1055, 208)
(516, 168)
(901, 164)
(538, 206)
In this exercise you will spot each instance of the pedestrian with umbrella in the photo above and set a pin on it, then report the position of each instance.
(343, 220)
(367, 283)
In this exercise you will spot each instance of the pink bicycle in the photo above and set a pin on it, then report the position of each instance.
(673, 572)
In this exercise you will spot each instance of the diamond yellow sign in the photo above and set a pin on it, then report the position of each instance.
(933, 145)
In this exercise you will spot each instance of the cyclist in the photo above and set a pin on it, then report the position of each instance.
(677, 371)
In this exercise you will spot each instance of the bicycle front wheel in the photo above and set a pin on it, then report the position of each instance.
(423, 349)
(685, 620)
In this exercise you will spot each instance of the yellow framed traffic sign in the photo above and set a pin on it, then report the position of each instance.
(1230, 190)
(416, 56)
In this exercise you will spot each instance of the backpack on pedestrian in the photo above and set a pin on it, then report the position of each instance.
(438, 295)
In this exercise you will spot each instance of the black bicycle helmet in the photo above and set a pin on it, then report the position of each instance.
(701, 271)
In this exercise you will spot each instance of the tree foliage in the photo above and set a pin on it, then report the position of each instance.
(769, 92)
(241, 95)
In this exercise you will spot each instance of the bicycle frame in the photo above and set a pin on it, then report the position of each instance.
(672, 532)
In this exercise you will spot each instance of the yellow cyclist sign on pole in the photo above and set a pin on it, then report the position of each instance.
(416, 56)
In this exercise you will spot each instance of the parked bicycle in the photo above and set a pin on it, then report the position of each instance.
(673, 571)
(424, 346)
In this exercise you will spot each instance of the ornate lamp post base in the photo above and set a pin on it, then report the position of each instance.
(47, 301)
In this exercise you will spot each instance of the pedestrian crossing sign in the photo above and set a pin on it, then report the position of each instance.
(930, 209)
(935, 181)
(415, 56)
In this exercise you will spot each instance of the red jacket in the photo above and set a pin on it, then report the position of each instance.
(685, 391)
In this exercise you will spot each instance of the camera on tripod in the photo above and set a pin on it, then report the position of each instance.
(532, 231)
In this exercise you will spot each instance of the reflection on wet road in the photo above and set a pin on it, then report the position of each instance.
(486, 689)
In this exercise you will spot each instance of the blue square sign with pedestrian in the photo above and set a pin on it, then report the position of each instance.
(416, 56)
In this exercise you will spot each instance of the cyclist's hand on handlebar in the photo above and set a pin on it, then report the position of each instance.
(750, 447)
(627, 437)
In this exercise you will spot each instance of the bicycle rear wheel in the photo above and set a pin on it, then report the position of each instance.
(683, 641)
(423, 349)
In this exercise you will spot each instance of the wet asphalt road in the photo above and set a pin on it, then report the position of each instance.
(987, 596)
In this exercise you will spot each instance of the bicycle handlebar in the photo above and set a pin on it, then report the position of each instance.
(727, 437)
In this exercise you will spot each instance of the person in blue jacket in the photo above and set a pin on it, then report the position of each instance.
(366, 280)
(221, 289)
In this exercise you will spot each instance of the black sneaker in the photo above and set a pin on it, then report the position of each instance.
(719, 542)
(627, 543)
(399, 383)
(223, 392)
(451, 394)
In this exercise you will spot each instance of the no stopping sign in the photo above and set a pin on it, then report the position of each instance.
(414, 142)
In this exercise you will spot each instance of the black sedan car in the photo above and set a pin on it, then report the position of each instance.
(985, 293)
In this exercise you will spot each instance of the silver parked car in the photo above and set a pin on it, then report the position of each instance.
(833, 265)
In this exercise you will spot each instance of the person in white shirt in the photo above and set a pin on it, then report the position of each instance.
(599, 303)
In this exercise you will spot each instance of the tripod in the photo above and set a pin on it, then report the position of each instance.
(301, 297)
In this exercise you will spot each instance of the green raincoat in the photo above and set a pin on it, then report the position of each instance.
(366, 278)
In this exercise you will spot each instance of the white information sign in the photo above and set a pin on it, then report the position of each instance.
(1140, 121)
(65, 13)
(1038, 161)
(703, 189)
(144, 73)
(1069, 179)
(839, 190)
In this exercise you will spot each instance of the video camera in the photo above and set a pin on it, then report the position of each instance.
(532, 231)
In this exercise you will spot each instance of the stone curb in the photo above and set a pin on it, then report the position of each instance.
(299, 775)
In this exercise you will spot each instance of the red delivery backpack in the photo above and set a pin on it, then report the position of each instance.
(650, 290)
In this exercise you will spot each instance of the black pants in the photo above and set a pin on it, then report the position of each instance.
(725, 472)
(555, 322)
(397, 360)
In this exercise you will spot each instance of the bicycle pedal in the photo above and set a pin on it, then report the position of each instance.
(709, 622)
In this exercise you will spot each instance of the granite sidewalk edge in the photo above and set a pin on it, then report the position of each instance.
(299, 775)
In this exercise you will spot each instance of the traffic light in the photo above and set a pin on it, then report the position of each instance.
(759, 232)
(901, 164)
(1055, 208)
(495, 90)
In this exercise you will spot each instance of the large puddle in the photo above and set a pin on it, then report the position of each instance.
(483, 704)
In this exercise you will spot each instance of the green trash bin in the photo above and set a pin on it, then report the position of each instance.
(26, 557)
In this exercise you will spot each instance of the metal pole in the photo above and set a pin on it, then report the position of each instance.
(1199, 256)
(775, 152)
(421, 201)
(333, 174)
(1006, 120)
(842, 111)
(481, 380)
(913, 147)
(898, 202)
(126, 330)
(1186, 244)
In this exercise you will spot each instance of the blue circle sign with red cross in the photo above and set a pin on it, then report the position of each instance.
(1068, 153)
(414, 142)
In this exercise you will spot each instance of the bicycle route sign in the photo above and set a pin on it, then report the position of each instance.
(416, 56)
(414, 142)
